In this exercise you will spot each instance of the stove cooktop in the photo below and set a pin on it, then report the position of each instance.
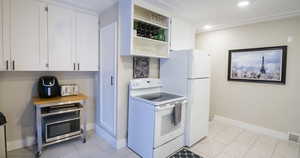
(159, 97)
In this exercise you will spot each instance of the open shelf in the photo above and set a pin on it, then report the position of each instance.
(150, 22)
(155, 42)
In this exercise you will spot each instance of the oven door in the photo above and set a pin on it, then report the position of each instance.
(62, 129)
(165, 128)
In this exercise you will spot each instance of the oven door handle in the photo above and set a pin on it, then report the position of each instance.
(165, 107)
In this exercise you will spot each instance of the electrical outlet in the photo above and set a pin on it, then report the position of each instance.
(293, 137)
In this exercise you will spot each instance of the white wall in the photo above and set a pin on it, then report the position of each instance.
(267, 105)
(17, 90)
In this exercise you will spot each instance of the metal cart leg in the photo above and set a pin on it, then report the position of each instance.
(39, 131)
(5, 142)
(84, 123)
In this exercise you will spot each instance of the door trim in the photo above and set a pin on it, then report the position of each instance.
(102, 123)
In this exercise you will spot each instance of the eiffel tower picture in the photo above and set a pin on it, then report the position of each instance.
(262, 68)
(258, 64)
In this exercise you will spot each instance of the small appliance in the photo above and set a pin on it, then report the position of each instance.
(48, 87)
(61, 122)
(69, 89)
(187, 73)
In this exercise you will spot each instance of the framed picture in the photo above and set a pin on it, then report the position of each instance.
(141, 67)
(264, 65)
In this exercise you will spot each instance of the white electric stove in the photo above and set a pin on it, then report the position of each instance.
(156, 119)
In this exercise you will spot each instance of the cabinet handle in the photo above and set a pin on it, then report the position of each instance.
(74, 66)
(6, 64)
(78, 66)
(14, 65)
(111, 80)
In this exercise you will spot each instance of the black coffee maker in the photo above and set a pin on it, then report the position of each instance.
(48, 87)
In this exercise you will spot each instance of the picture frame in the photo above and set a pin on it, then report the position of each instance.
(261, 65)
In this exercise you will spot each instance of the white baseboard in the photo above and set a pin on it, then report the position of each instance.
(118, 144)
(253, 128)
(30, 141)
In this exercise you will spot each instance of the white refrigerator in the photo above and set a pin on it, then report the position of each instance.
(187, 73)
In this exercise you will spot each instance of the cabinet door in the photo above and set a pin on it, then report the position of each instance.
(108, 45)
(4, 56)
(182, 35)
(61, 33)
(87, 36)
(28, 35)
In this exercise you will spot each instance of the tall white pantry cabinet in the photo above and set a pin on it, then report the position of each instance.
(37, 36)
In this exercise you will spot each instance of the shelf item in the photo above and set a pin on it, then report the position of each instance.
(143, 32)
(150, 22)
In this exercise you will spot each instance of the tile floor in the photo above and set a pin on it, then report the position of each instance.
(224, 141)
(227, 141)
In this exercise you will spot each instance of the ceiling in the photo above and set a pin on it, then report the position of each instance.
(97, 6)
(225, 13)
(217, 13)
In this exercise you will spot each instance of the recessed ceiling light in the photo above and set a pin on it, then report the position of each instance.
(243, 4)
(207, 27)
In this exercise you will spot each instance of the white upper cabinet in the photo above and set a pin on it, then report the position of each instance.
(4, 35)
(2, 59)
(39, 36)
(143, 32)
(61, 36)
(28, 35)
(182, 35)
(87, 41)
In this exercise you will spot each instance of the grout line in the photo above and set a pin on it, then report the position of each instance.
(251, 146)
(275, 148)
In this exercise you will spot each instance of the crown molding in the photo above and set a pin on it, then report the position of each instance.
(251, 21)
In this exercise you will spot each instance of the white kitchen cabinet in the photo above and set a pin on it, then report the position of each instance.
(40, 36)
(182, 35)
(28, 35)
(87, 41)
(4, 35)
(61, 39)
(2, 59)
(154, 43)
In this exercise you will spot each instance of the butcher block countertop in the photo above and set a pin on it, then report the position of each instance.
(42, 101)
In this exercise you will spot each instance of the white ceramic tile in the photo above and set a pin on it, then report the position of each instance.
(286, 149)
(228, 135)
(209, 148)
(264, 147)
(246, 138)
(236, 150)
(95, 147)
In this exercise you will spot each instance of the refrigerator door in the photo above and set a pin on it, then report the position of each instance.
(199, 65)
(197, 110)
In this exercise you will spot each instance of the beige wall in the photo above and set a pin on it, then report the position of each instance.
(17, 89)
(268, 105)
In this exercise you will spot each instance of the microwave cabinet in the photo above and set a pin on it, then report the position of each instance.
(143, 32)
(43, 36)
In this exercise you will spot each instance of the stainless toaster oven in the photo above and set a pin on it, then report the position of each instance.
(69, 89)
